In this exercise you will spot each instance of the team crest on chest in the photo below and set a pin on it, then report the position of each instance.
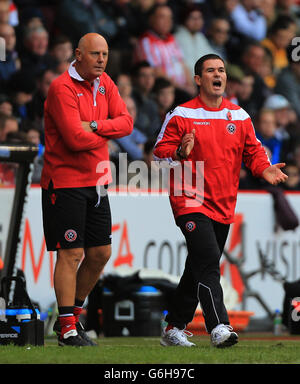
(231, 128)
(102, 90)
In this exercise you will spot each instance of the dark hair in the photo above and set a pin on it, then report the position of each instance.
(155, 7)
(17, 137)
(137, 67)
(199, 63)
(291, 162)
(282, 22)
(59, 39)
(4, 98)
(161, 83)
(249, 45)
(188, 10)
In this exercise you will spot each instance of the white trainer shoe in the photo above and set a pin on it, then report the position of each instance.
(222, 336)
(176, 337)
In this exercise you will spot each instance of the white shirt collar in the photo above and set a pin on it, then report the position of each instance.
(73, 73)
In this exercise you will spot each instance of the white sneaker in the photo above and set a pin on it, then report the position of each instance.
(176, 337)
(222, 336)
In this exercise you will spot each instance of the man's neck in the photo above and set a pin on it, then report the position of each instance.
(161, 36)
(211, 102)
(83, 74)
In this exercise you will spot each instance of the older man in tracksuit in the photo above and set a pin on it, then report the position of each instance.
(83, 111)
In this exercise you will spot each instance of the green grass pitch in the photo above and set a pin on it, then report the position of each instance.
(251, 349)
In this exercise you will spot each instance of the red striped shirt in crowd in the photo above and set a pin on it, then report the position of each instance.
(164, 53)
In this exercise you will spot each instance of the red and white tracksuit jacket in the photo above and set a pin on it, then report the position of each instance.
(224, 138)
(72, 154)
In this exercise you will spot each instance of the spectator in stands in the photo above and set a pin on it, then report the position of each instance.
(190, 38)
(8, 124)
(265, 128)
(13, 14)
(290, 8)
(268, 9)
(288, 81)
(21, 88)
(78, 17)
(159, 47)
(279, 38)
(141, 8)
(234, 78)
(248, 20)
(61, 49)
(4, 12)
(296, 153)
(124, 84)
(251, 62)
(267, 72)
(164, 92)
(127, 26)
(293, 182)
(12, 62)
(33, 136)
(218, 34)
(9, 134)
(6, 106)
(62, 67)
(281, 107)
(244, 95)
(31, 18)
(148, 119)
(35, 57)
(134, 143)
(35, 107)
(8, 170)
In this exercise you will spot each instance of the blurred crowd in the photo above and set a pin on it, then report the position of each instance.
(154, 45)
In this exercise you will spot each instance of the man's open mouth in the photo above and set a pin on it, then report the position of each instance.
(217, 83)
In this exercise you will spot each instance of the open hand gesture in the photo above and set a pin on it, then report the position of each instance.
(274, 175)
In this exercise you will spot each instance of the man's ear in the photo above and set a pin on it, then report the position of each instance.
(197, 79)
(78, 54)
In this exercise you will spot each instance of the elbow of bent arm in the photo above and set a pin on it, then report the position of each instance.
(77, 144)
(129, 126)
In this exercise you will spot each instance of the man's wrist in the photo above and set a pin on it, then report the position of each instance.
(179, 154)
(94, 125)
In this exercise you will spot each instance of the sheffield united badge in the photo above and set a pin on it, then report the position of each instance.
(70, 235)
(231, 128)
(190, 226)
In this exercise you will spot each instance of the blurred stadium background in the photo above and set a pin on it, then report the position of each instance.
(261, 265)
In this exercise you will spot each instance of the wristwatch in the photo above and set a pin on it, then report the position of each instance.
(94, 125)
(178, 153)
